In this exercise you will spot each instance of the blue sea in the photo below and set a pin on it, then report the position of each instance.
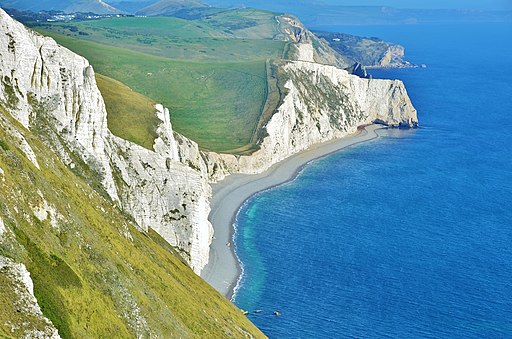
(406, 236)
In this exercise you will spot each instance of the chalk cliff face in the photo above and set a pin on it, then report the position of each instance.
(50, 89)
(321, 103)
(18, 284)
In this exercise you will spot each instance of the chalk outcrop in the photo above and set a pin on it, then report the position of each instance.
(19, 288)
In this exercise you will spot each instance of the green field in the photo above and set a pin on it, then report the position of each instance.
(211, 73)
(176, 38)
(245, 23)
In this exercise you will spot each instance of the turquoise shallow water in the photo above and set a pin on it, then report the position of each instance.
(408, 235)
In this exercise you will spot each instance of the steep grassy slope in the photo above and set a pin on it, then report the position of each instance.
(131, 115)
(94, 274)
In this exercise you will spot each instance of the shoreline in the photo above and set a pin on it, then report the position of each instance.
(224, 269)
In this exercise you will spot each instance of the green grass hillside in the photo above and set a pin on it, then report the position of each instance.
(94, 274)
(211, 72)
(131, 115)
(245, 23)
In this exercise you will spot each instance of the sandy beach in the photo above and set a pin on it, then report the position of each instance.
(223, 269)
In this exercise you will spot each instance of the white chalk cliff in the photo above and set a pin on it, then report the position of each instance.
(52, 91)
(49, 88)
(322, 103)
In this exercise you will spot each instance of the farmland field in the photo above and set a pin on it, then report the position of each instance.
(211, 73)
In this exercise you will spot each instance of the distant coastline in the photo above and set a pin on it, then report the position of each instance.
(224, 268)
(398, 66)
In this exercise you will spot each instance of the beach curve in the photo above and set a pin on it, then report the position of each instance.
(224, 269)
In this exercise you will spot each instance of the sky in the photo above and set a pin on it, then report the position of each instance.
(424, 4)
(465, 4)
